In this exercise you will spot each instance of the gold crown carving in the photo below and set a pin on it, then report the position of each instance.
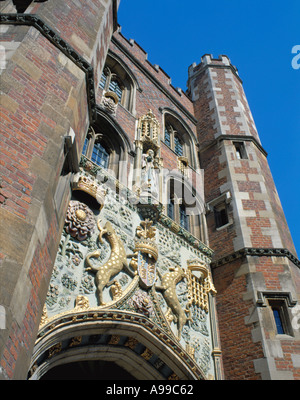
(146, 242)
(91, 187)
(146, 246)
(199, 266)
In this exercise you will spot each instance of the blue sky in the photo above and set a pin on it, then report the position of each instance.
(258, 36)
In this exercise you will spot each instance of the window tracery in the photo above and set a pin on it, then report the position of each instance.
(118, 87)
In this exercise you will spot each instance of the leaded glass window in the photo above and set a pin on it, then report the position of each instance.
(100, 156)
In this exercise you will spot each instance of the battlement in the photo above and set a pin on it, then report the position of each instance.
(142, 56)
(222, 61)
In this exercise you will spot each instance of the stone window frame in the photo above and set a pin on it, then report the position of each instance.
(220, 203)
(115, 141)
(196, 221)
(240, 150)
(283, 302)
(176, 127)
(115, 70)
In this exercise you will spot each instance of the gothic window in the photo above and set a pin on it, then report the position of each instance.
(116, 79)
(179, 138)
(116, 87)
(184, 207)
(110, 81)
(100, 155)
(173, 140)
(167, 137)
(107, 146)
(171, 209)
(103, 79)
(184, 218)
(178, 146)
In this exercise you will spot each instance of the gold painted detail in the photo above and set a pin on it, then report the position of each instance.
(75, 341)
(44, 318)
(199, 284)
(115, 264)
(131, 343)
(168, 288)
(82, 303)
(79, 221)
(114, 339)
(90, 186)
(173, 377)
(145, 253)
(107, 315)
(54, 349)
(147, 354)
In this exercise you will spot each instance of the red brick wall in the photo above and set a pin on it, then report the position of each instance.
(44, 96)
(258, 221)
(238, 349)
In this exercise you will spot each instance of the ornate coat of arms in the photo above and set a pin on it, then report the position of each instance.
(145, 254)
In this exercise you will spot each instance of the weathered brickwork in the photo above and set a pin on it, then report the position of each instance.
(44, 99)
(48, 88)
(255, 220)
(238, 348)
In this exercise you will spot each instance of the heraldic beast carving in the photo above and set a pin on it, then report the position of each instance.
(116, 263)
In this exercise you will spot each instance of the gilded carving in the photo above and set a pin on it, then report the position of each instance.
(75, 341)
(114, 339)
(147, 354)
(199, 284)
(91, 186)
(44, 317)
(54, 349)
(145, 254)
(131, 343)
(82, 303)
(117, 260)
(168, 288)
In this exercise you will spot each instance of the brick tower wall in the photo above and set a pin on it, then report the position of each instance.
(255, 220)
(52, 62)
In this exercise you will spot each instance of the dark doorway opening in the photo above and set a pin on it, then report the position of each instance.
(88, 370)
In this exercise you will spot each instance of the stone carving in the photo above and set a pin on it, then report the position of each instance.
(109, 102)
(168, 288)
(117, 260)
(141, 303)
(149, 179)
(81, 303)
(145, 254)
(199, 286)
(89, 185)
(79, 222)
(149, 128)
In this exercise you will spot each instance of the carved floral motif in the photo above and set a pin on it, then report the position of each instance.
(79, 222)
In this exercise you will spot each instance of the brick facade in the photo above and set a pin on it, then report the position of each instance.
(51, 93)
(44, 96)
(255, 220)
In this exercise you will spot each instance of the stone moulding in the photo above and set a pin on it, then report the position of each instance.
(260, 252)
(95, 315)
(153, 210)
(50, 34)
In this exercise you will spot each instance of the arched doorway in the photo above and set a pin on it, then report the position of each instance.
(88, 370)
(123, 345)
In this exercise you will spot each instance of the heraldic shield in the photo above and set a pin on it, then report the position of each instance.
(146, 269)
(145, 254)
